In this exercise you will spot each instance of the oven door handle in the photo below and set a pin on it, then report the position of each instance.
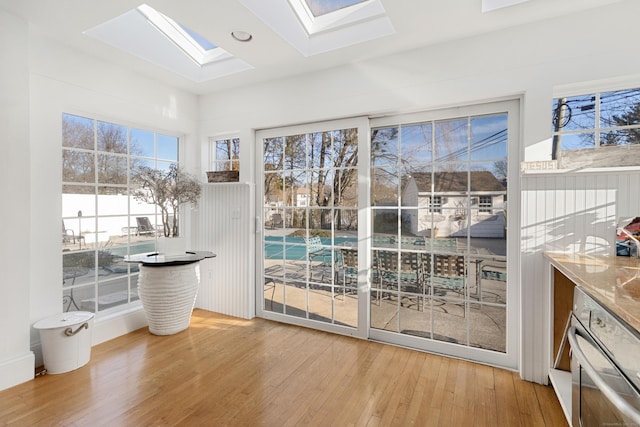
(618, 401)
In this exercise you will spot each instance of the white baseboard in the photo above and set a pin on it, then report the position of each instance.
(109, 326)
(17, 370)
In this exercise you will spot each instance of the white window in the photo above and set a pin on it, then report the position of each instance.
(101, 221)
(582, 125)
(224, 154)
(435, 204)
(322, 7)
(485, 204)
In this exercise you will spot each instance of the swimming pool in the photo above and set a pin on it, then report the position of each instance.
(294, 248)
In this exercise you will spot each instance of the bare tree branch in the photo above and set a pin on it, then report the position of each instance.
(167, 190)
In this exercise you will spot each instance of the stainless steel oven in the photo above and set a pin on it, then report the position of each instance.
(605, 366)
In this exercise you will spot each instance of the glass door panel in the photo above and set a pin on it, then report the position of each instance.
(310, 211)
(439, 232)
(407, 244)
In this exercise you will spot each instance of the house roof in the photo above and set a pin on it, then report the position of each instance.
(456, 182)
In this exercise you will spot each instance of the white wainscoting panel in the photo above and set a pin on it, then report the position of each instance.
(226, 227)
(565, 212)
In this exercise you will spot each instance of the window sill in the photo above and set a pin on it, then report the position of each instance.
(582, 171)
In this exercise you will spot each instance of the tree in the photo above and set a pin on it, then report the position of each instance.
(384, 162)
(228, 150)
(334, 158)
(624, 136)
(167, 190)
(273, 159)
(78, 161)
(77, 137)
(112, 138)
(345, 147)
(500, 169)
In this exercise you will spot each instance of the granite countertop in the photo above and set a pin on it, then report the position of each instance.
(612, 280)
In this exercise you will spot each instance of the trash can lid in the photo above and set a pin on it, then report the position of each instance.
(63, 319)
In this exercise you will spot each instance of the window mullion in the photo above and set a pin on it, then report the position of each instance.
(597, 119)
(92, 193)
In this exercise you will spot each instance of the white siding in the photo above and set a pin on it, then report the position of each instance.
(226, 227)
(572, 212)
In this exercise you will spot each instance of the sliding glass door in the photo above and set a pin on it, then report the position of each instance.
(310, 208)
(395, 229)
(439, 186)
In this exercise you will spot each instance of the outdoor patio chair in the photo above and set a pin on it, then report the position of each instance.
(411, 242)
(349, 267)
(445, 245)
(401, 273)
(383, 240)
(69, 236)
(144, 225)
(316, 250)
(411, 278)
(276, 220)
(386, 272)
(449, 271)
(72, 273)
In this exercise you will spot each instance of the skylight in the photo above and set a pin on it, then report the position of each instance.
(155, 37)
(326, 15)
(322, 7)
(316, 26)
(203, 42)
(201, 50)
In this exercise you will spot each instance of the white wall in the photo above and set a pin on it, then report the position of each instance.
(16, 359)
(570, 211)
(226, 228)
(45, 79)
(61, 80)
(529, 61)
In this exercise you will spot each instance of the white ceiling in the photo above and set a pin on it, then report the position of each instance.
(417, 23)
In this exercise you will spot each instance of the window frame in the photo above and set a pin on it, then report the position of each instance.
(592, 156)
(216, 164)
(509, 359)
(345, 16)
(102, 214)
(485, 204)
(435, 204)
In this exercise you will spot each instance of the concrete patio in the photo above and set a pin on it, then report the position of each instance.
(476, 318)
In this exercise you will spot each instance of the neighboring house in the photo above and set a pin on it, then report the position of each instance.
(272, 205)
(455, 209)
(302, 197)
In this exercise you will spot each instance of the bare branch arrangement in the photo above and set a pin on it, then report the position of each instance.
(168, 190)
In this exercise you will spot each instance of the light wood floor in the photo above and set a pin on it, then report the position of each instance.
(228, 371)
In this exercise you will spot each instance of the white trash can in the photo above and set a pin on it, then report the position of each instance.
(66, 340)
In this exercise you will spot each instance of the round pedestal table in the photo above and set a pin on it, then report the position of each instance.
(168, 286)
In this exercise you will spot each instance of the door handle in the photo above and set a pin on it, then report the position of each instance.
(618, 401)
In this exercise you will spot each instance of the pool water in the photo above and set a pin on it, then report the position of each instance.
(294, 248)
